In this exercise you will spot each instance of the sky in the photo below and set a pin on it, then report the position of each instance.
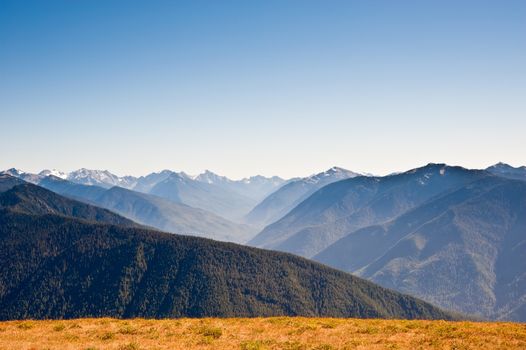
(284, 88)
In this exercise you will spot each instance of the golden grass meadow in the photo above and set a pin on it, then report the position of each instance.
(292, 333)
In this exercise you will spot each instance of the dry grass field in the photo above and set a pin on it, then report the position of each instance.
(259, 333)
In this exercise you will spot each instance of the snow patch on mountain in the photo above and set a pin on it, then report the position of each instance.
(54, 172)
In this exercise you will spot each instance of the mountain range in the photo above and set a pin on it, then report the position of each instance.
(231, 199)
(169, 201)
(67, 259)
(451, 236)
(345, 206)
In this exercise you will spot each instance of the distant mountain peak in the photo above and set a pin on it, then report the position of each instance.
(508, 171)
(28, 177)
(334, 172)
(505, 166)
(162, 172)
(260, 178)
(13, 172)
(500, 164)
(336, 169)
(88, 172)
(427, 172)
(433, 167)
(102, 178)
(53, 172)
(211, 177)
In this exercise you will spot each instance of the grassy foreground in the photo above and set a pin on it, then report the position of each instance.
(259, 333)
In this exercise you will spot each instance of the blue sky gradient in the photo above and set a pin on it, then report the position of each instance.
(261, 87)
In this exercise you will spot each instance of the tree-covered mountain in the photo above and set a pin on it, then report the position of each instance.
(7, 182)
(465, 250)
(153, 211)
(280, 202)
(31, 199)
(57, 266)
(345, 206)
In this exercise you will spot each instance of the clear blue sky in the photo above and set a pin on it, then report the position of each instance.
(269, 87)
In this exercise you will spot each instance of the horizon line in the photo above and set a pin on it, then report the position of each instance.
(363, 173)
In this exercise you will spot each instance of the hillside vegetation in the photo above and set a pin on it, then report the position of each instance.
(63, 259)
(259, 333)
(58, 267)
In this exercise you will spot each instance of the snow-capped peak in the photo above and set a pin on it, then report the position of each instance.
(336, 169)
(100, 178)
(54, 172)
(260, 179)
(28, 177)
(13, 172)
(332, 173)
(211, 178)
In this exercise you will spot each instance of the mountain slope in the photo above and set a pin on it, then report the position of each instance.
(31, 199)
(7, 182)
(59, 267)
(345, 206)
(180, 188)
(84, 193)
(465, 250)
(279, 203)
(154, 211)
(173, 217)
